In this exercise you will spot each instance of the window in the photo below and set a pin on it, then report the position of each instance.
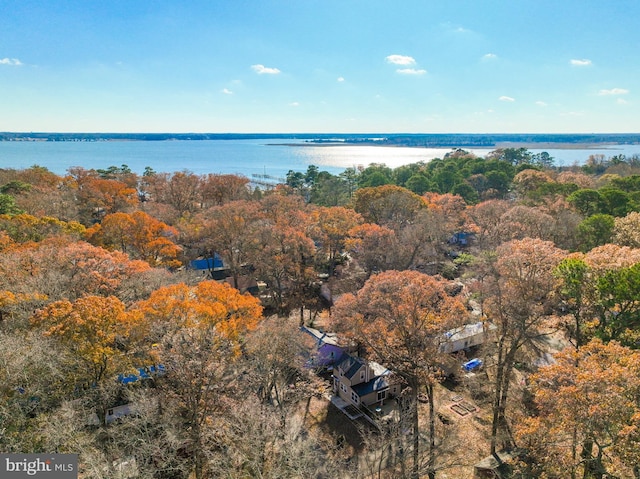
(354, 397)
(382, 395)
(361, 375)
(109, 412)
(344, 389)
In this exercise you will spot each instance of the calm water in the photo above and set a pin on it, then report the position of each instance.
(245, 157)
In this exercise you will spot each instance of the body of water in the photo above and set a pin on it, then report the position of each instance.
(244, 157)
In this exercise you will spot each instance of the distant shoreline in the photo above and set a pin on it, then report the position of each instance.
(537, 146)
(425, 140)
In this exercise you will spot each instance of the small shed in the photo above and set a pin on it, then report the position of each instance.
(465, 337)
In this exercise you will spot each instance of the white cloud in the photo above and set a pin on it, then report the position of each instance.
(506, 98)
(621, 101)
(340, 79)
(400, 60)
(489, 56)
(541, 103)
(613, 91)
(10, 61)
(295, 103)
(262, 70)
(585, 62)
(226, 91)
(411, 71)
(453, 28)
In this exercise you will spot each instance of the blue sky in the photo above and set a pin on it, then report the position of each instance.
(416, 66)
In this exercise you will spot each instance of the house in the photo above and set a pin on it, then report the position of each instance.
(461, 238)
(327, 352)
(246, 284)
(212, 267)
(466, 336)
(363, 383)
(112, 414)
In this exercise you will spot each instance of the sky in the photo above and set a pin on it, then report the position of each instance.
(342, 66)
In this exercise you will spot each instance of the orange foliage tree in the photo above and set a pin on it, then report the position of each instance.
(97, 196)
(587, 415)
(97, 332)
(285, 263)
(61, 269)
(207, 305)
(138, 234)
(180, 190)
(200, 332)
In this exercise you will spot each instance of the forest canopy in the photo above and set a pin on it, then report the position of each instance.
(159, 320)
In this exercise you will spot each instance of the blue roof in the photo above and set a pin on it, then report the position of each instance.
(207, 263)
(376, 384)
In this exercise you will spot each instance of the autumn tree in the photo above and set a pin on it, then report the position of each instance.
(231, 231)
(522, 222)
(330, 228)
(486, 218)
(527, 181)
(373, 246)
(32, 382)
(139, 235)
(388, 205)
(57, 268)
(423, 241)
(217, 189)
(23, 227)
(586, 415)
(275, 356)
(522, 292)
(97, 196)
(200, 331)
(285, 262)
(626, 230)
(208, 305)
(400, 318)
(96, 329)
(180, 190)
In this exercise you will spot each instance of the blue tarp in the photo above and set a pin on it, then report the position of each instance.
(143, 373)
(475, 363)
